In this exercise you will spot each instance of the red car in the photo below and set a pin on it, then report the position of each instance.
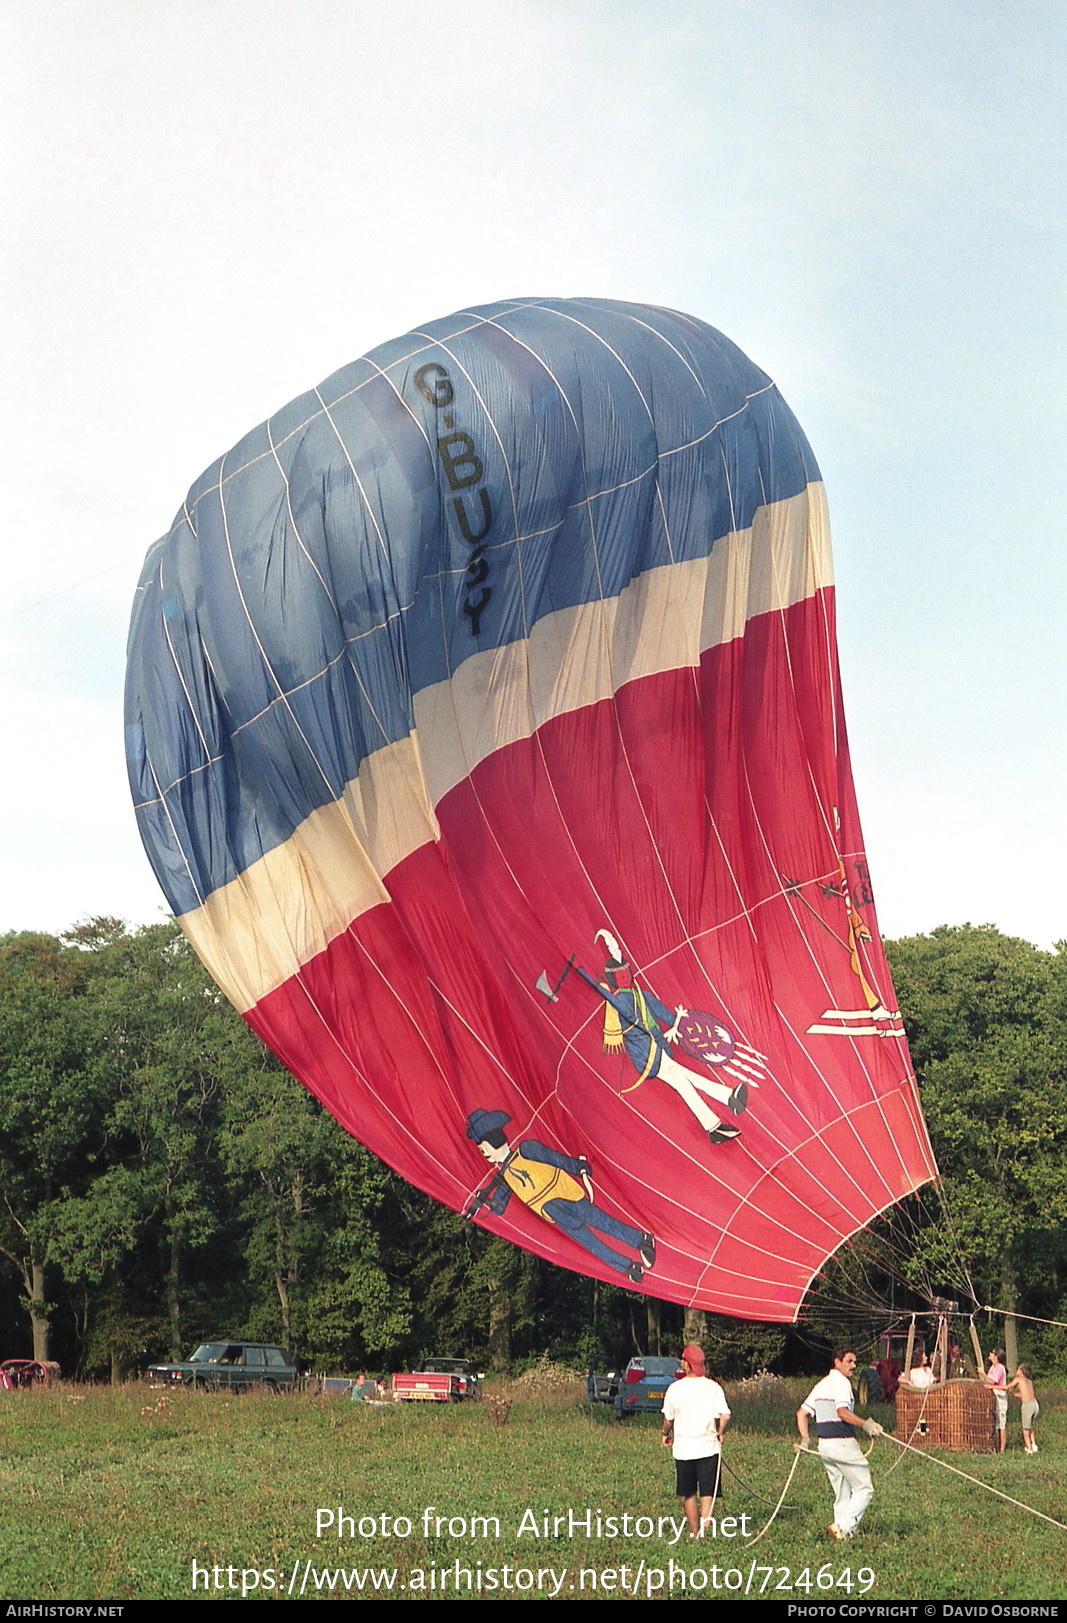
(15, 1372)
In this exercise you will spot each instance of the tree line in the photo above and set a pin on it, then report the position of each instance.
(163, 1179)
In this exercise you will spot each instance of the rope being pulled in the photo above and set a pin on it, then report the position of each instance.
(1006, 1313)
(945, 1466)
(914, 1430)
(934, 1460)
(812, 1453)
(785, 1489)
(748, 1487)
(770, 1519)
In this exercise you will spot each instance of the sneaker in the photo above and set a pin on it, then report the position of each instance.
(723, 1135)
(647, 1249)
(738, 1099)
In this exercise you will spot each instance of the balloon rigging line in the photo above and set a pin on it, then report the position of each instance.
(835, 1459)
(884, 1250)
(960, 1254)
(749, 1488)
(61, 591)
(887, 1263)
(853, 1285)
(859, 1256)
(1008, 1313)
(914, 1430)
(781, 1497)
(178, 669)
(934, 1460)
(863, 1264)
(977, 1481)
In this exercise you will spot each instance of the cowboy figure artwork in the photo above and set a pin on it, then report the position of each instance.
(557, 1187)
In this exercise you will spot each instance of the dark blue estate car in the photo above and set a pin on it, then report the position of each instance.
(235, 1365)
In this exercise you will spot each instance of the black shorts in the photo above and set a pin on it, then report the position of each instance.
(697, 1477)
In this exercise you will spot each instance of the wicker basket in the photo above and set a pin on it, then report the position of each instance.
(960, 1416)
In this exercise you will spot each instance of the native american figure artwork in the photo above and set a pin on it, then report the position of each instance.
(874, 1019)
(638, 1023)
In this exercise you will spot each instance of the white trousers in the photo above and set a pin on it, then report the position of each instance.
(686, 1084)
(850, 1478)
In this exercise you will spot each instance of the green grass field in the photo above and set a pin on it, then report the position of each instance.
(116, 1493)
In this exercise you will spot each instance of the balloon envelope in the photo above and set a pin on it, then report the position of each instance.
(486, 737)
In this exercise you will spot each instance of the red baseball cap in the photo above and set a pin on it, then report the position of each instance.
(694, 1357)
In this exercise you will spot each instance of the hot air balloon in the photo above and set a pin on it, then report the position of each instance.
(486, 737)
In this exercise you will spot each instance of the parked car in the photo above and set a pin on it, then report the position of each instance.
(16, 1372)
(644, 1385)
(438, 1380)
(236, 1365)
(601, 1383)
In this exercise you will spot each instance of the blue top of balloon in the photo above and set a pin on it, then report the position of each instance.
(436, 498)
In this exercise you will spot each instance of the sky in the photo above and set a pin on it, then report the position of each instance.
(213, 204)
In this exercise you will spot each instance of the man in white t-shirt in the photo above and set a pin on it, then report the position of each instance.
(829, 1404)
(695, 1415)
